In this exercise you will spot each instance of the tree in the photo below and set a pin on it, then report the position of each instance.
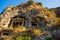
(40, 3)
(30, 2)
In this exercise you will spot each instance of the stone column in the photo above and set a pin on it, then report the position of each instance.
(27, 23)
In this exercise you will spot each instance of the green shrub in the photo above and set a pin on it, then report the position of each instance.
(40, 3)
(50, 9)
(48, 38)
(30, 2)
(23, 38)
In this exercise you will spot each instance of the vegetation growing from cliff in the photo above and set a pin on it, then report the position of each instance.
(50, 10)
(48, 38)
(40, 3)
(30, 2)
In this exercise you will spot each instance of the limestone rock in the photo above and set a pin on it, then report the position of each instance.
(27, 10)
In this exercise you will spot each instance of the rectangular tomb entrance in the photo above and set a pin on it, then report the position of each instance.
(16, 21)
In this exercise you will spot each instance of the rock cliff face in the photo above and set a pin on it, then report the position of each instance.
(31, 14)
(27, 10)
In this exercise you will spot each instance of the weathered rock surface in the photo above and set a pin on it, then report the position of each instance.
(45, 18)
(26, 10)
